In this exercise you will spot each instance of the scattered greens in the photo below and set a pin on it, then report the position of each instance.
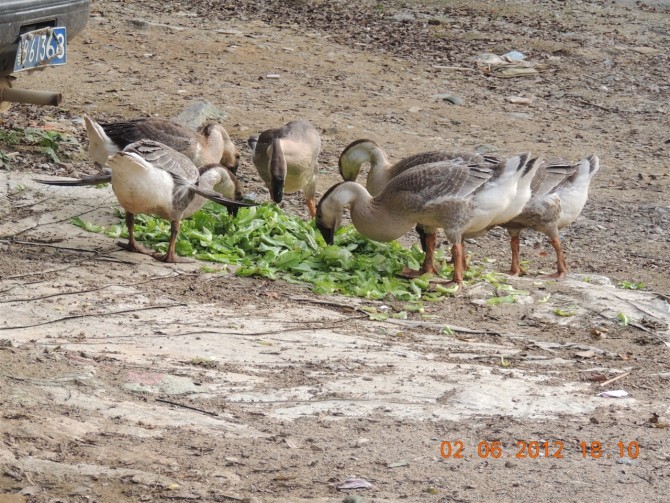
(506, 294)
(630, 285)
(263, 241)
(447, 330)
(622, 319)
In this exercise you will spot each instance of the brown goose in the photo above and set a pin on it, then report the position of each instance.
(381, 170)
(559, 192)
(152, 178)
(460, 197)
(210, 144)
(286, 159)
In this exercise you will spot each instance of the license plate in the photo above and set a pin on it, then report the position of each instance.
(45, 47)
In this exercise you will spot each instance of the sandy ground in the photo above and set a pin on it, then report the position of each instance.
(124, 379)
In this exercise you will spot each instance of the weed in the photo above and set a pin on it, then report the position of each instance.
(50, 141)
(4, 160)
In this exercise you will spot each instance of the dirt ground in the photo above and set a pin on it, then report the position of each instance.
(124, 379)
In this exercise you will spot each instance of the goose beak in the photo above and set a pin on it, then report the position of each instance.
(277, 189)
(327, 233)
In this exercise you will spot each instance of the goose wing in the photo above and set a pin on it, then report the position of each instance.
(165, 158)
(431, 157)
(430, 184)
(550, 176)
(170, 133)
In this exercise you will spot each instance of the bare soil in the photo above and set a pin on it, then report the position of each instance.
(123, 379)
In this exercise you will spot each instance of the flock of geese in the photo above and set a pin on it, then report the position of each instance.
(160, 167)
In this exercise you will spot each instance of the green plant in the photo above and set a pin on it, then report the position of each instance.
(630, 285)
(4, 160)
(49, 141)
(264, 241)
(10, 137)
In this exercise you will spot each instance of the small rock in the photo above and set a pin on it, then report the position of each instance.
(450, 98)
(352, 498)
(141, 24)
(199, 113)
(519, 100)
(646, 50)
(486, 149)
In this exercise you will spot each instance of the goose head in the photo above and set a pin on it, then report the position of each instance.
(219, 179)
(225, 182)
(329, 211)
(354, 155)
(278, 169)
(217, 135)
(251, 143)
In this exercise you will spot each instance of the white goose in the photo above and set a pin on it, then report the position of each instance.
(152, 178)
(460, 197)
(559, 192)
(286, 160)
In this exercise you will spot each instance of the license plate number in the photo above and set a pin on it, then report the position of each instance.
(45, 47)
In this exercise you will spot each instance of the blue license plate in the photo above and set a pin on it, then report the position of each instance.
(45, 47)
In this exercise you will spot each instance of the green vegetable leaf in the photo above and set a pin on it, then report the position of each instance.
(263, 241)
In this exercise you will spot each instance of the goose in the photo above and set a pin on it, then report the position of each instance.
(212, 177)
(152, 178)
(381, 170)
(458, 196)
(559, 192)
(210, 144)
(286, 160)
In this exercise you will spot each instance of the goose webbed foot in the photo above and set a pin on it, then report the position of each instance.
(449, 284)
(171, 258)
(417, 273)
(134, 247)
(517, 271)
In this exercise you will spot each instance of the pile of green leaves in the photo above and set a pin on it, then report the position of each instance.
(263, 241)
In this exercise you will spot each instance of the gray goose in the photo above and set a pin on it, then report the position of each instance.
(460, 197)
(152, 178)
(286, 159)
(559, 192)
(381, 170)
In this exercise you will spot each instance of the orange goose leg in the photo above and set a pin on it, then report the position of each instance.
(561, 266)
(516, 269)
(170, 256)
(428, 265)
(132, 245)
(311, 207)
